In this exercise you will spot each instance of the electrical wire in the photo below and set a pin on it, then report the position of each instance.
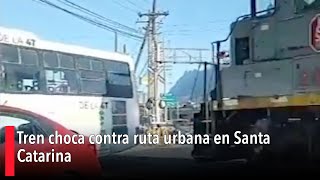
(91, 21)
(89, 12)
(133, 4)
(125, 7)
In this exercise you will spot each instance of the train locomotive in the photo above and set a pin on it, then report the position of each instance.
(272, 86)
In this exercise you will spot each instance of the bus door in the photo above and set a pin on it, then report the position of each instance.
(106, 123)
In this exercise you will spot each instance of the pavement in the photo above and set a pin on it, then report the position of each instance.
(165, 162)
(145, 162)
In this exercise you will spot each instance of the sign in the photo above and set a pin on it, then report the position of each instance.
(170, 100)
(315, 33)
(171, 104)
(17, 40)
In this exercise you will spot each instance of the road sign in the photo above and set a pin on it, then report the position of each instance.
(315, 33)
(170, 100)
(171, 104)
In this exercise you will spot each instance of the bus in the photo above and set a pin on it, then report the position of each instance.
(87, 90)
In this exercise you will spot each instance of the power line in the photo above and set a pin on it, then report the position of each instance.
(91, 21)
(134, 4)
(90, 12)
(125, 7)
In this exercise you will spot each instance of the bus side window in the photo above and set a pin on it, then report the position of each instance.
(97, 65)
(50, 59)
(60, 74)
(61, 81)
(29, 57)
(66, 61)
(92, 77)
(92, 82)
(9, 54)
(21, 78)
(23, 74)
(83, 63)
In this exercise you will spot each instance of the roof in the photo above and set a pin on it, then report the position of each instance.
(29, 39)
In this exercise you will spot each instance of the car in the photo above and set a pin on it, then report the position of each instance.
(60, 158)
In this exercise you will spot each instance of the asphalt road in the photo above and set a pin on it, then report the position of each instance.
(163, 162)
(143, 162)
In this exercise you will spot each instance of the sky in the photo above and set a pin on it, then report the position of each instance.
(190, 23)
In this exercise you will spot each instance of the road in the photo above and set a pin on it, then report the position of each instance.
(157, 162)
(143, 162)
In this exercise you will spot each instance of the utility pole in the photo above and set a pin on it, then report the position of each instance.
(115, 41)
(154, 70)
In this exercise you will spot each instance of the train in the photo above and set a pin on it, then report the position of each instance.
(271, 88)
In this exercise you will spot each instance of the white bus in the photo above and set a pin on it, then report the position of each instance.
(87, 90)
